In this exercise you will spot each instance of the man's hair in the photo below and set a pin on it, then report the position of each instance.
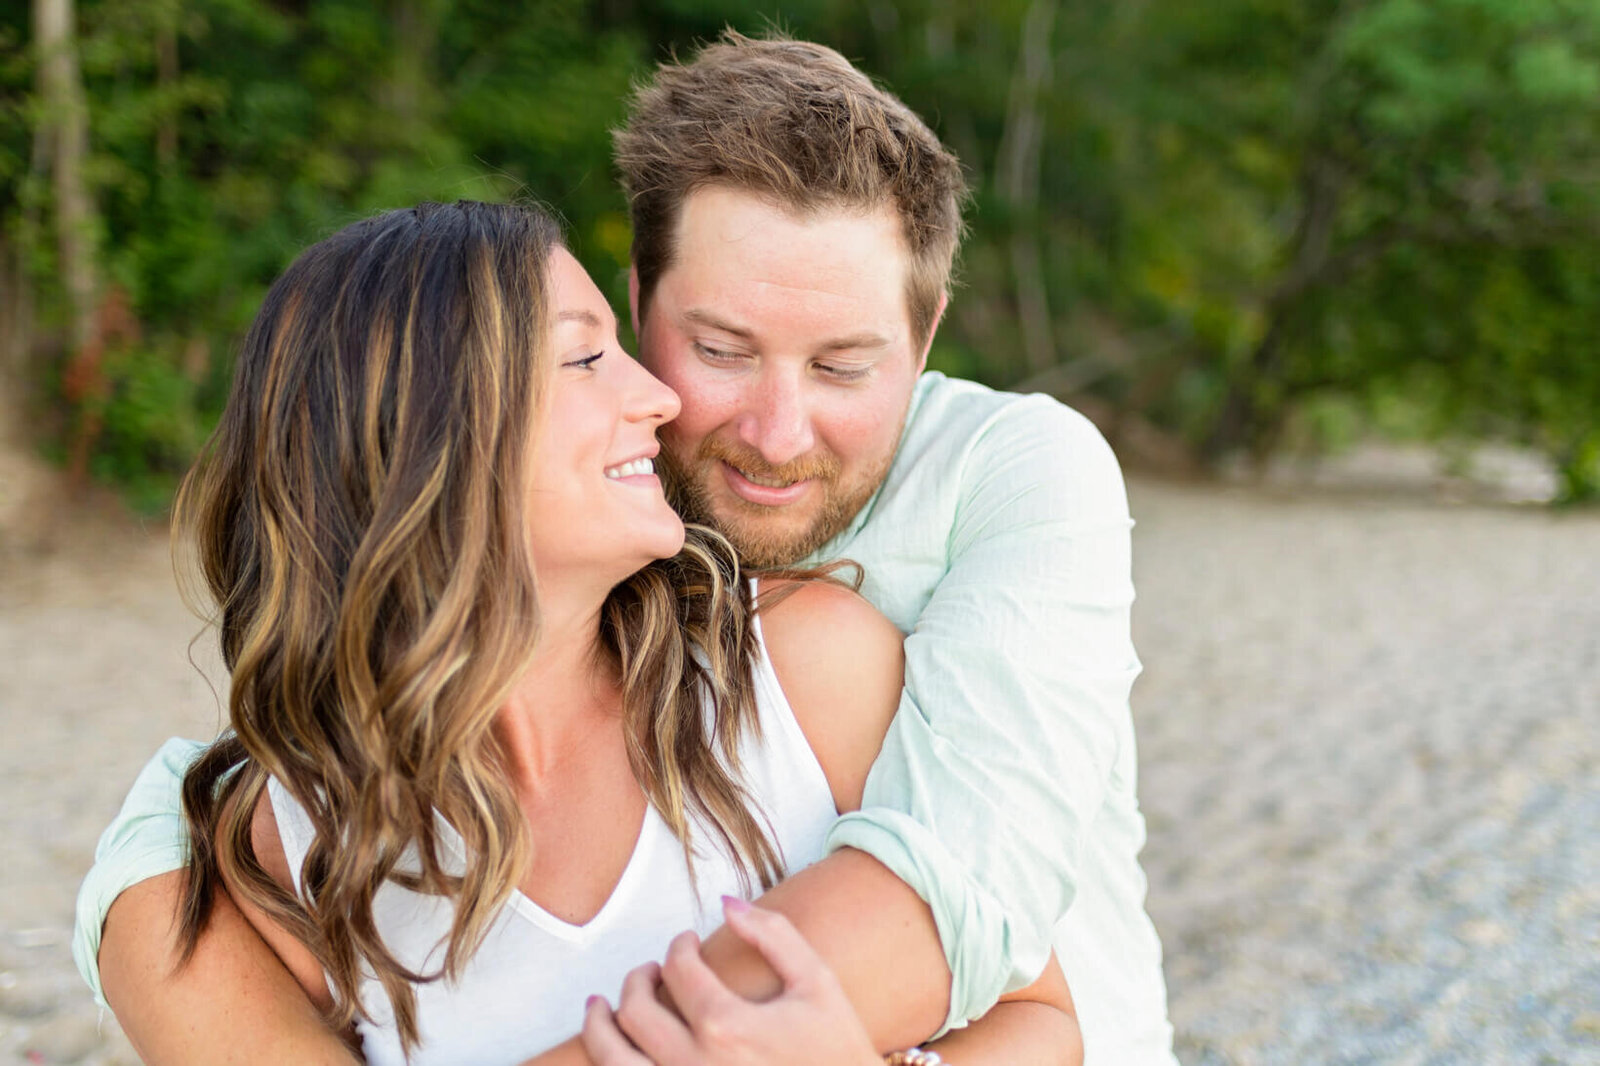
(796, 124)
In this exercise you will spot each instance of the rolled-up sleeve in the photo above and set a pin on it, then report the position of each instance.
(1018, 674)
(147, 838)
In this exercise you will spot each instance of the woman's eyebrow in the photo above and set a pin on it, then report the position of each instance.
(588, 318)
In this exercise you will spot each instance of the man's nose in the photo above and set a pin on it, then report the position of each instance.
(777, 422)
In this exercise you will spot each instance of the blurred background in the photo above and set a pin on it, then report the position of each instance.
(1324, 271)
(1221, 228)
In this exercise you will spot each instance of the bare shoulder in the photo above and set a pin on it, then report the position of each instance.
(842, 665)
(232, 1001)
(267, 843)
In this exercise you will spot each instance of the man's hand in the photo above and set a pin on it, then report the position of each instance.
(809, 1021)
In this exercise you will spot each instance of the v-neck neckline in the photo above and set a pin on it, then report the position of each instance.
(650, 828)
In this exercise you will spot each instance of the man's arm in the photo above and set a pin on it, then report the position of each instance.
(811, 1021)
(867, 924)
(146, 839)
(1017, 1034)
(237, 1000)
(1015, 717)
(839, 662)
(236, 1003)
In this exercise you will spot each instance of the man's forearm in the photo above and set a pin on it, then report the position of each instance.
(1015, 1034)
(870, 927)
(873, 931)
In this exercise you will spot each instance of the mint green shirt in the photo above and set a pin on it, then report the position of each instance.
(1005, 792)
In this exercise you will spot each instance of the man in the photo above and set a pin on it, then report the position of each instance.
(794, 230)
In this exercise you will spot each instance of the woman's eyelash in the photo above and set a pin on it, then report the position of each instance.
(586, 362)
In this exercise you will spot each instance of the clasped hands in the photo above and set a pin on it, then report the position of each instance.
(809, 1021)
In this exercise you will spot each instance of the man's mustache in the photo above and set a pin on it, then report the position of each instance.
(748, 461)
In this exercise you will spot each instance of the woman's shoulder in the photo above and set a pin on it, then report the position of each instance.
(266, 841)
(840, 663)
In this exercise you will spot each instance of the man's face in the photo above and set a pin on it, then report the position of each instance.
(788, 339)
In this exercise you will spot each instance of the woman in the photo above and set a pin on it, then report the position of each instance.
(501, 726)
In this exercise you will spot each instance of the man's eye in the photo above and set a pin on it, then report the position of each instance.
(843, 373)
(586, 362)
(716, 355)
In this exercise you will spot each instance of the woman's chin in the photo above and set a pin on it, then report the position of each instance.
(663, 543)
(672, 540)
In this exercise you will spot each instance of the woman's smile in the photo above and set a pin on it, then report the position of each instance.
(602, 413)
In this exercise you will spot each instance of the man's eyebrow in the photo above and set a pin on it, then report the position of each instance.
(854, 341)
(865, 339)
(701, 316)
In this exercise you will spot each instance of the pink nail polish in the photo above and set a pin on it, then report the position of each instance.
(734, 905)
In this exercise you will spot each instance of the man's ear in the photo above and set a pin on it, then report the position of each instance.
(633, 299)
(938, 316)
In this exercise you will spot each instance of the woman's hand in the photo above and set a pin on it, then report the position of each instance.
(809, 1022)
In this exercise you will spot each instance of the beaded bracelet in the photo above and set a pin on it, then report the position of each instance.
(914, 1056)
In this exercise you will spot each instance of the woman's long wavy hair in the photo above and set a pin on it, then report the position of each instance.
(360, 519)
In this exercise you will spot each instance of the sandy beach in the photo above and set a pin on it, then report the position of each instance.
(1370, 751)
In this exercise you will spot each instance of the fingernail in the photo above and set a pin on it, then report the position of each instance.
(590, 1002)
(735, 905)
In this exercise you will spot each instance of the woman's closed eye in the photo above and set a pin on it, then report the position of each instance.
(584, 362)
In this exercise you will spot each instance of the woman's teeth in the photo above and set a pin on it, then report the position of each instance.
(636, 467)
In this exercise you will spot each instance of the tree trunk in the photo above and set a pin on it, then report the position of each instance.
(416, 38)
(65, 126)
(1017, 172)
(65, 122)
(16, 341)
(1256, 401)
(1245, 419)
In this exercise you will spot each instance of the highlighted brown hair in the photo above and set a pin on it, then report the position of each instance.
(360, 519)
(795, 123)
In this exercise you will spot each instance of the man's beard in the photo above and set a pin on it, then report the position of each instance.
(751, 529)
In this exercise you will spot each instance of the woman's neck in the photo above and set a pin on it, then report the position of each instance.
(568, 696)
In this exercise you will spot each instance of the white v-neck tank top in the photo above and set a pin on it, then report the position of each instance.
(525, 988)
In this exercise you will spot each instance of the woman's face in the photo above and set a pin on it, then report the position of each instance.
(596, 507)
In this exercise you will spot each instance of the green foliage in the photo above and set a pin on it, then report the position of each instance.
(152, 427)
(282, 123)
(1436, 168)
(1240, 218)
